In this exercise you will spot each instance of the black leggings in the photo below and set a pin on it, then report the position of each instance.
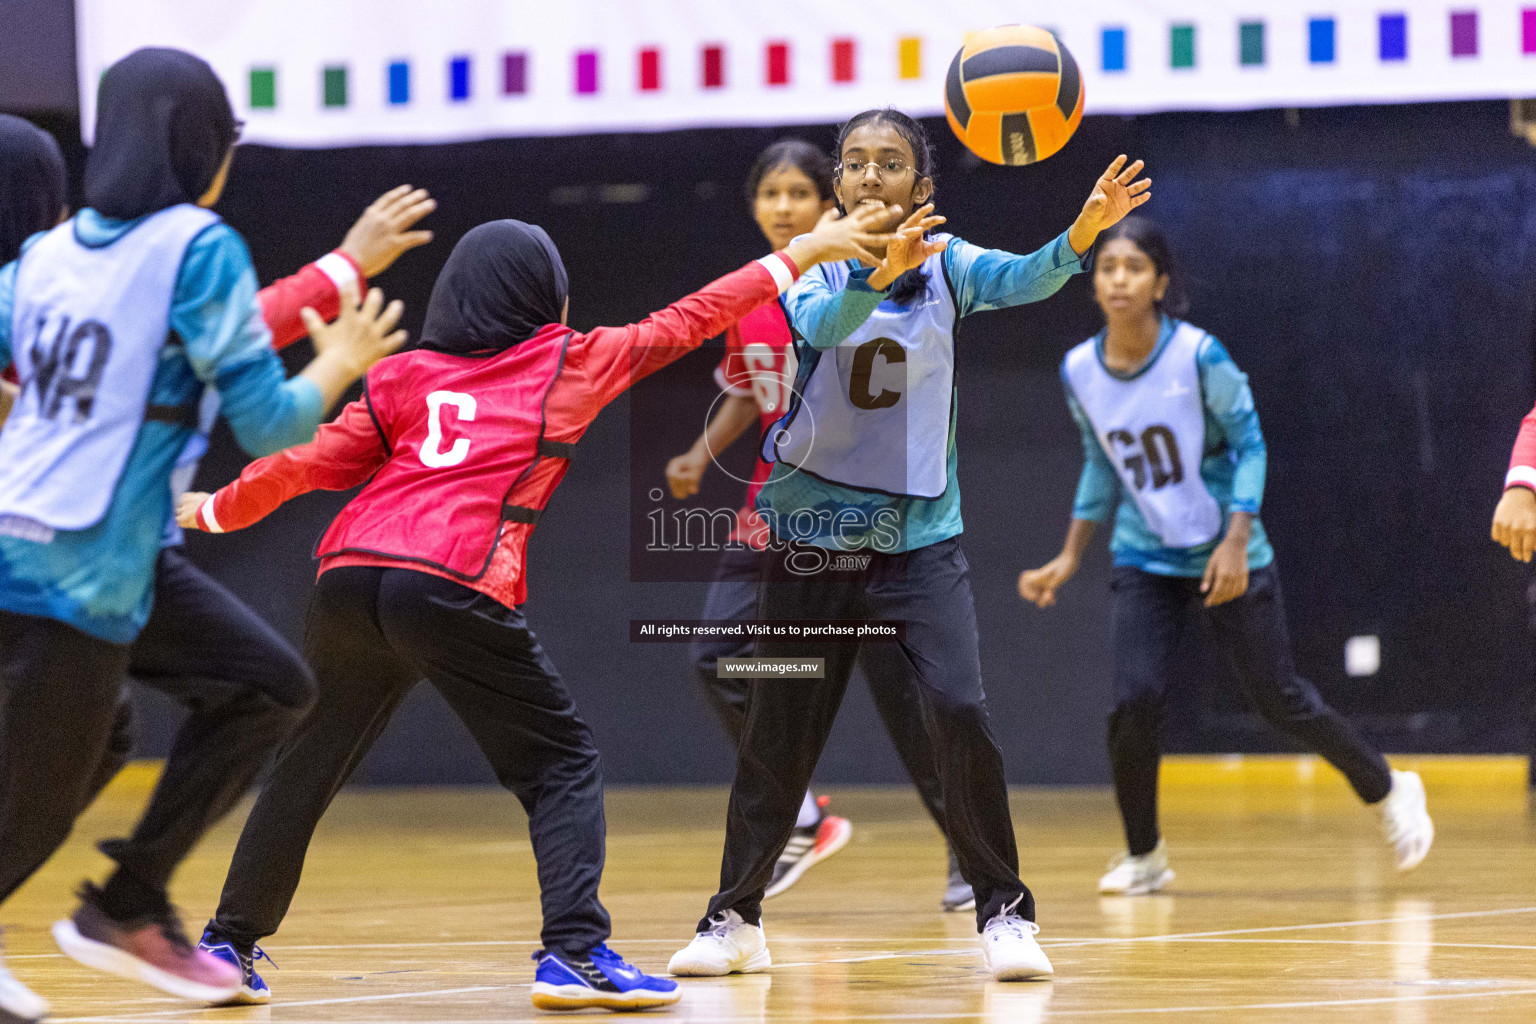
(1148, 614)
(733, 596)
(67, 729)
(787, 723)
(372, 634)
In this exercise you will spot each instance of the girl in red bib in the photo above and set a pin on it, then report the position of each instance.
(461, 442)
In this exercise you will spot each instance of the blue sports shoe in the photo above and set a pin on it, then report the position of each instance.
(252, 989)
(600, 980)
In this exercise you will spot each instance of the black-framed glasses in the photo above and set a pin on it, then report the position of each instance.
(239, 130)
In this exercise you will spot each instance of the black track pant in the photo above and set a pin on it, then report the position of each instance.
(372, 634)
(65, 730)
(733, 596)
(788, 721)
(1148, 614)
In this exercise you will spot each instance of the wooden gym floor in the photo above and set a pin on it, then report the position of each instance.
(419, 905)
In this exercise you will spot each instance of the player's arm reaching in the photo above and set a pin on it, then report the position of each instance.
(1514, 521)
(380, 235)
(344, 452)
(731, 419)
(983, 278)
(613, 358)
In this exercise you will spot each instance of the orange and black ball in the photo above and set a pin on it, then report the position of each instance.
(1014, 94)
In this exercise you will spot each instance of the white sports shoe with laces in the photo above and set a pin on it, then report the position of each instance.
(1405, 820)
(1009, 950)
(730, 946)
(1136, 876)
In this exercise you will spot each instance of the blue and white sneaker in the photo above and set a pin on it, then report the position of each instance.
(600, 980)
(252, 989)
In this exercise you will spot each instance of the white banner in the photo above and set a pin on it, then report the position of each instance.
(351, 72)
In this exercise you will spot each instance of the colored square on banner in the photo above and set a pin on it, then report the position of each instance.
(776, 59)
(514, 74)
(263, 88)
(586, 72)
(1250, 43)
(1393, 29)
(1320, 46)
(909, 57)
(714, 67)
(397, 79)
(333, 85)
(842, 60)
(1181, 46)
(1528, 30)
(650, 69)
(1463, 33)
(458, 79)
(1112, 49)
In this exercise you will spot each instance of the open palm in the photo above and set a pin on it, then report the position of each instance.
(1115, 194)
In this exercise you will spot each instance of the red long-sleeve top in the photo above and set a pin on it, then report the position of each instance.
(598, 367)
(1522, 461)
(318, 285)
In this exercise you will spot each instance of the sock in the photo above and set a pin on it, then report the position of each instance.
(126, 898)
(810, 813)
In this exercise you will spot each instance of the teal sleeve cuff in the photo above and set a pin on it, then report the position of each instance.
(858, 281)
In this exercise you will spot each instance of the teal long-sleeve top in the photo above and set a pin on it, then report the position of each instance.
(1232, 468)
(982, 279)
(100, 580)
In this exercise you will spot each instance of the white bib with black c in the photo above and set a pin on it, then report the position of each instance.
(873, 412)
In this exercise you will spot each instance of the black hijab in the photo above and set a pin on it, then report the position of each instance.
(502, 282)
(31, 184)
(163, 125)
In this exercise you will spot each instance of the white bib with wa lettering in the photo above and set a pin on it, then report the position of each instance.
(86, 337)
(1152, 427)
(873, 412)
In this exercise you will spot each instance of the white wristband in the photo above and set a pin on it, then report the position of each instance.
(207, 512)
(1522, 475)
(338, 268)
(774, 264)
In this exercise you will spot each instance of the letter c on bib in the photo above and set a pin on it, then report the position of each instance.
(431, 452)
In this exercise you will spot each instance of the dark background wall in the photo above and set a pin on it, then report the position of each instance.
(1369, 267)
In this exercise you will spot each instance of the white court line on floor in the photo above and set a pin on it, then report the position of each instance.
(381, 997)
(1053, 1013)
(1374, 942)
(1177, 937)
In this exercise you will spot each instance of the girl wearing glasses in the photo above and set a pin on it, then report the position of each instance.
(788, 189)
(864, 512)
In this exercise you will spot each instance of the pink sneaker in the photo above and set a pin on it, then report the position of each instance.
(153, 950)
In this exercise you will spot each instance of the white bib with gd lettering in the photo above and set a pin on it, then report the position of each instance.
(86, 337)
(1152, 427)
(873, 413)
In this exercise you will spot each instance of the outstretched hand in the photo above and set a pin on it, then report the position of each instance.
(383, 232)
(186, 509)
(840, 237)
(1514, 522)
(362, 333)
(908, 247)
(1115, 194)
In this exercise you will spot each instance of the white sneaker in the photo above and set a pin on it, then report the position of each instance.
(17, 1002)
(1136, 876)
(1405, 820)
(1009, 950)
(731, 946)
